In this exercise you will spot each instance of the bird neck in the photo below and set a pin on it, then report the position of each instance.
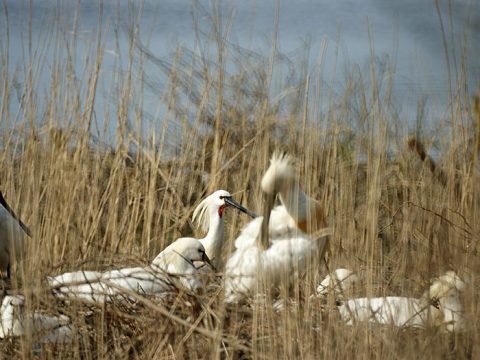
(213, 241)
(294, 200)
(305, 211)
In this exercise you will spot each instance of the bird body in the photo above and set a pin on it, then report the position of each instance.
(286, 258)
(115, 284)
(12, 237)
(75, 277)
(15, 321)
(173, 266)
(391, 310)
(290, 249)
(440, 304)
(11, 240)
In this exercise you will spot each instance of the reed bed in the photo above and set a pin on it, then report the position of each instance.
(97, 204)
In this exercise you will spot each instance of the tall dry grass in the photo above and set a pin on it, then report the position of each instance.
(95, 204)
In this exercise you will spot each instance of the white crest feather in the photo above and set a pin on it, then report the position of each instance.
(201, 217)
(281, 170)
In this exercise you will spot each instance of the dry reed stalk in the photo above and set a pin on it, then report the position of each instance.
(96, 206)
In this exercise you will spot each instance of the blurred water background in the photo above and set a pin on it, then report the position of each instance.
(332, 38)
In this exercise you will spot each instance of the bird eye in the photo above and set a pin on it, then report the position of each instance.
(222, 197)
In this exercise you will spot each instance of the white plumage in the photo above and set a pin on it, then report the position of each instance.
(390, 310)
(447, 290)
(15, 321)
(173, 266)
(299, 210)
(441, 304)
(209, 217)
(290, 250)
(339, 283)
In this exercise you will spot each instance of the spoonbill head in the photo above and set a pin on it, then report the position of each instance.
(12, 231)
(208, 215)
(181, 255)
(282, 178)
(179, 258)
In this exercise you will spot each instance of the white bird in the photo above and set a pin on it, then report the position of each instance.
(298, 210)
(12, 234)
(340, 283)
(390, 310)
(209, 217)
(291, 227)
(16, 321)
(174, 266)
(440, 305)
(447, 289)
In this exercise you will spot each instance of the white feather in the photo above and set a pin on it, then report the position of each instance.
(402, 311)
(201, 215)
(172, 267)
(290, 254)
(15, 321)
(207, 217)
(339, 282)
(291, 251)
(390, 310)
(279, 174)
(447, 289)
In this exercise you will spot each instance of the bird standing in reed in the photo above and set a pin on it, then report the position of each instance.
(12, 238)
(284, 242)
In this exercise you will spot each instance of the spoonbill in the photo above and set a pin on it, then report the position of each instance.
(298, 210)
(12, 231)
(293, 230)
(174, 266)
(208, 215)
(16, 321)
(439, 305)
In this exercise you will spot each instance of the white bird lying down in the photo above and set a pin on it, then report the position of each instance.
(390, 310)
(209, 217)
(290, 249)
(44, 328)
(440, 305)
(340, 283)
(174, 266)
(12, 234)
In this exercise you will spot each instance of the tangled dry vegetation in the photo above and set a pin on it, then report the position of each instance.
(96, 209)
(396, 218)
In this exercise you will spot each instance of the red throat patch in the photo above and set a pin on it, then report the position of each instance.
(220, 211)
